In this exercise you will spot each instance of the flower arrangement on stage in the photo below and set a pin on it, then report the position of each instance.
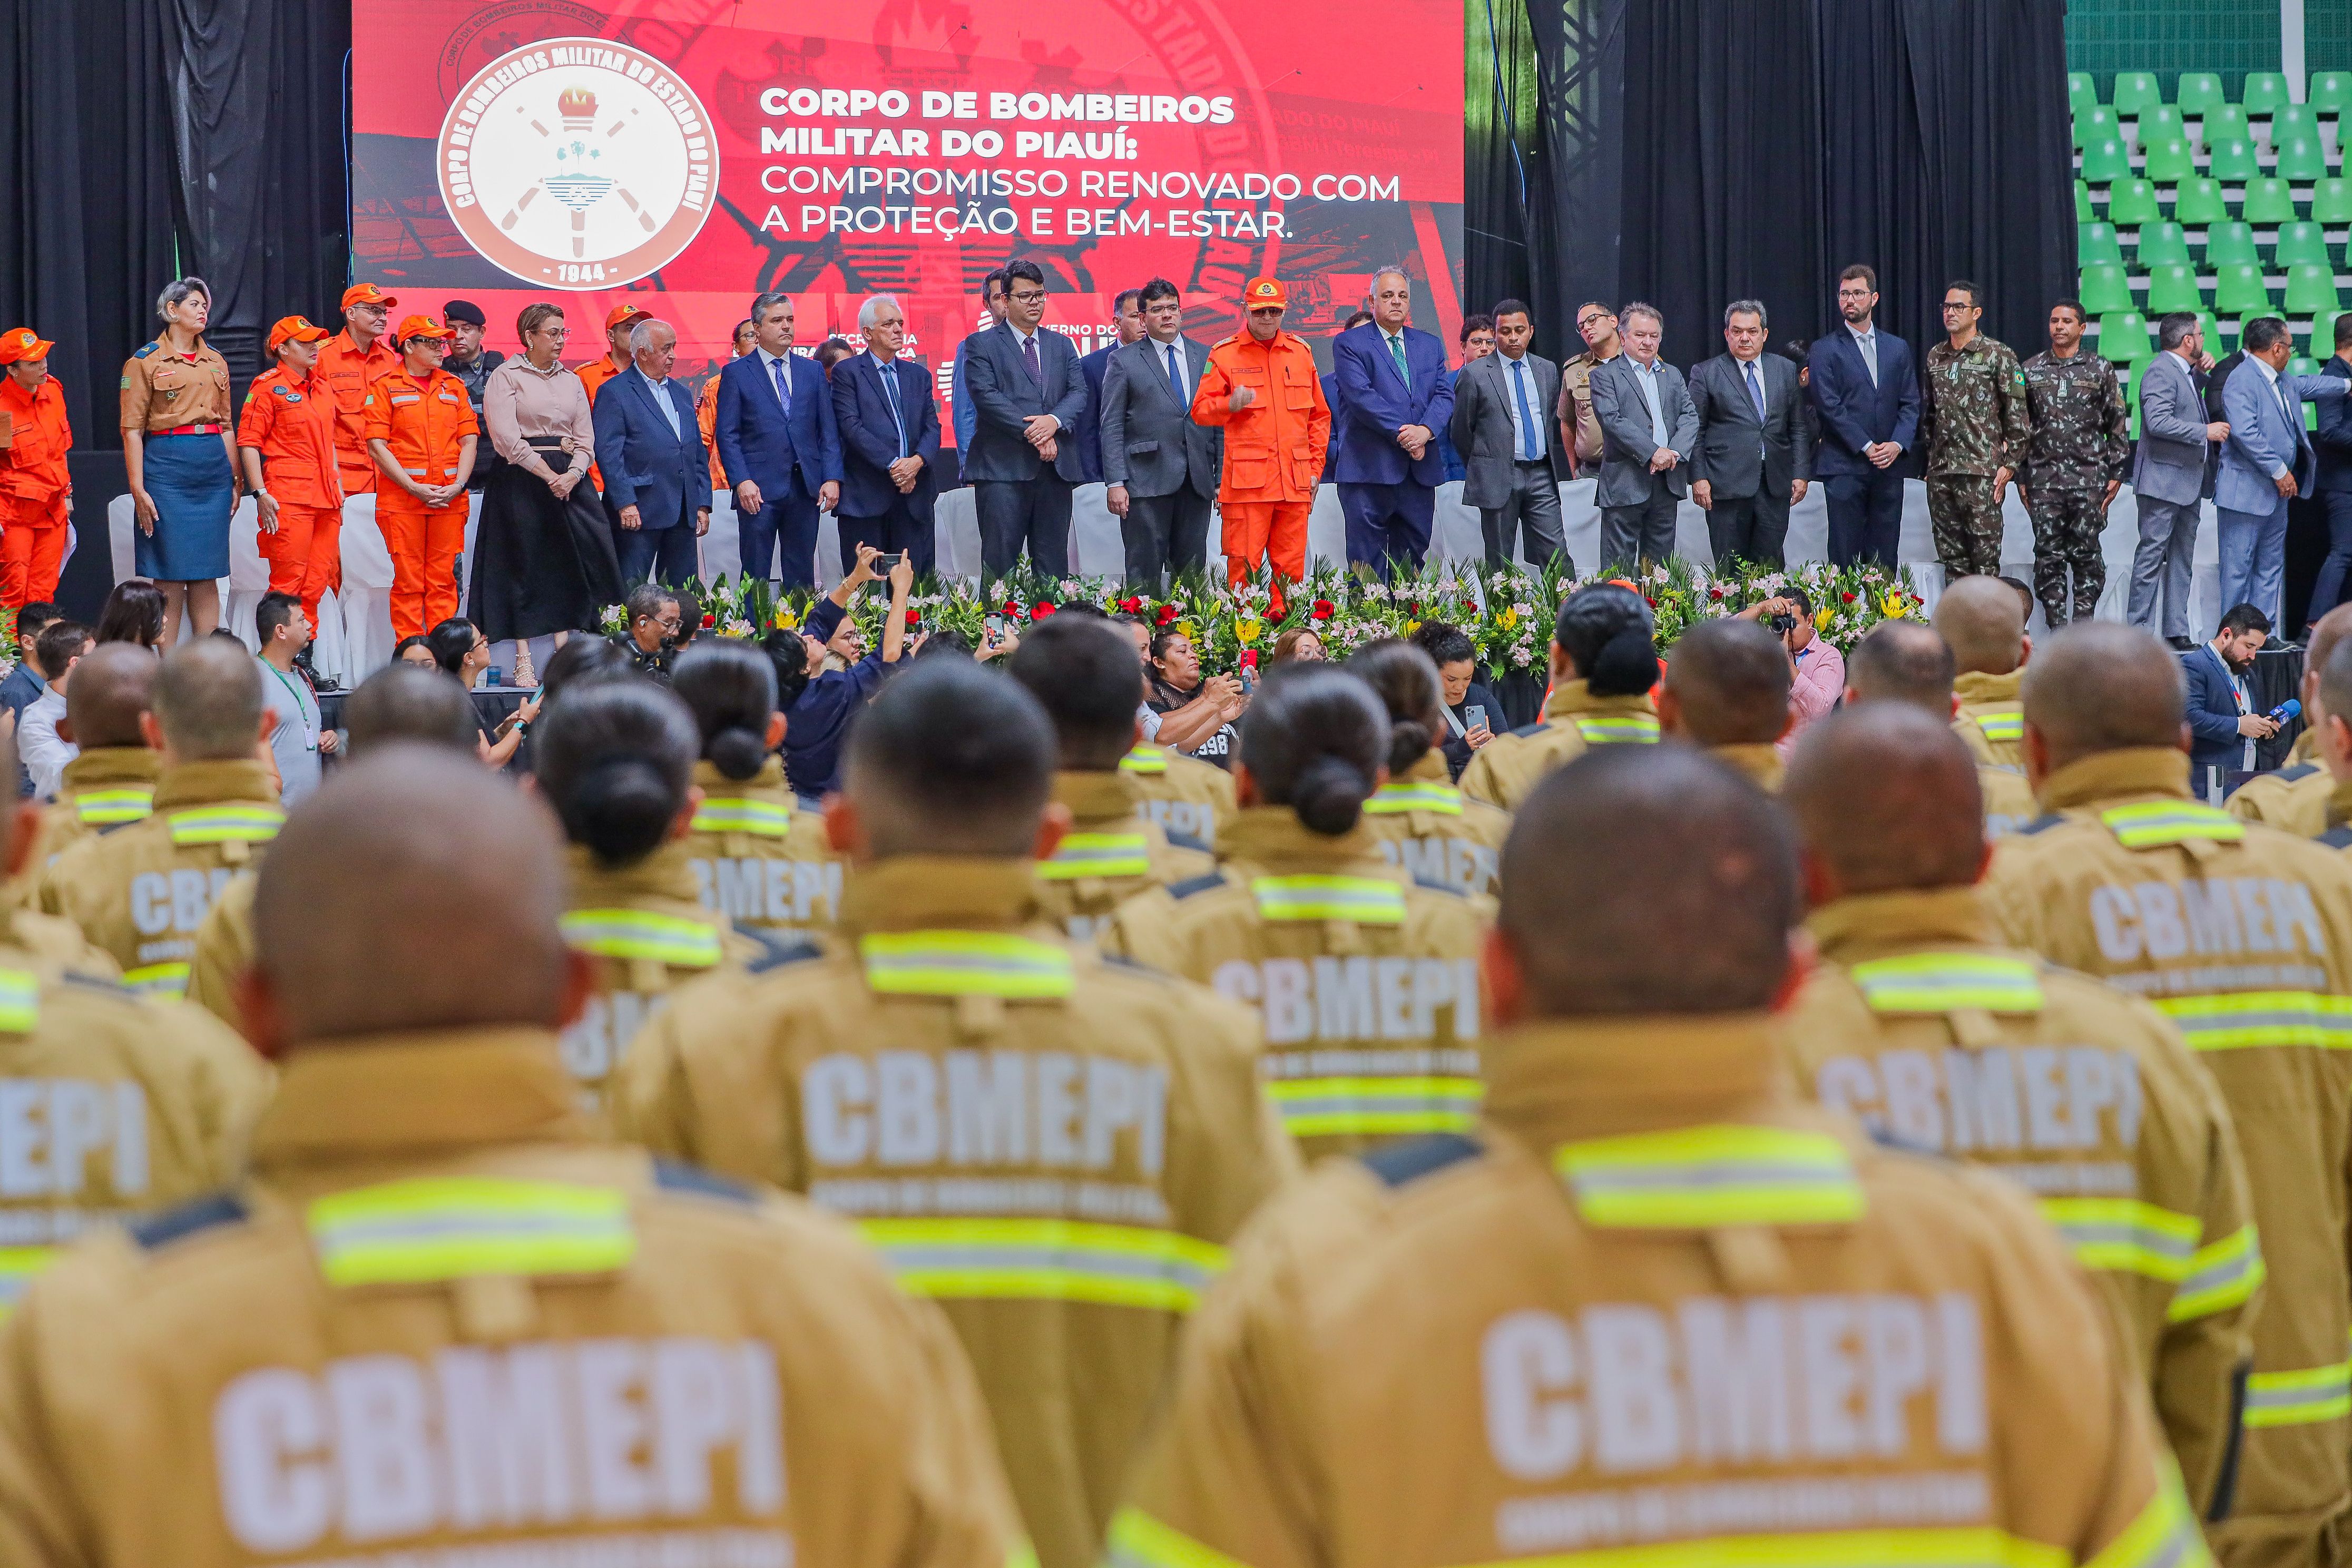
(1508, 614)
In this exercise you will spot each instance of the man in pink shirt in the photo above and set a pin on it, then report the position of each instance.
(1818, 679)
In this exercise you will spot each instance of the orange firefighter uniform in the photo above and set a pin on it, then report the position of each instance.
(349, 374)
(1273, 448)
(706, 418)
(289, 420)
(2243, 936)
(35, 485)
(427, 425)
(1655, 1315)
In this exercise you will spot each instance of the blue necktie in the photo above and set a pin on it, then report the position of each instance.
(783, 386)
(1756, 391)
(890, 390)
(1175, 376)
(1527, 416)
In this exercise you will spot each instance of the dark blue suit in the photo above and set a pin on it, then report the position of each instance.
(663, 472)
(1390, 498)
(1089, 430)
(1022, 501)
(788, 459)
(875, 433)
(2213, 734)
(2333, 441)
(1865, 503)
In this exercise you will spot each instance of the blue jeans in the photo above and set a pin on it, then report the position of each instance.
(2254, 559)
(2328, 587)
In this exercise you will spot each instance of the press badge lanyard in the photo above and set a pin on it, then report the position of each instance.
(310, 720)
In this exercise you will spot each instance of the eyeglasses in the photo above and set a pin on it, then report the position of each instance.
(1952, 305)
(1027, 296)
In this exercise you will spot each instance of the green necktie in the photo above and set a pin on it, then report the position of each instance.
(1396, 348)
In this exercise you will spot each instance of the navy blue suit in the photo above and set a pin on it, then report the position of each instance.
(1865, 503)
(788, 459)
(1089, 430)
(1389, 497)
(875, 433)
(1022, 501)
(663, 472)
(2213, 734)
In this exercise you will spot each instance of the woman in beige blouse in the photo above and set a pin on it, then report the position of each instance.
(543, 558)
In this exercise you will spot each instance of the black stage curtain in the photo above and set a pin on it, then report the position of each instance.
(1505, 186)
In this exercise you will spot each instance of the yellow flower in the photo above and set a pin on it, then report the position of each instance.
(1246, 632)
(1191, 633)
(1411, 627)
(784, 618)
(1895, 604)
(1509, 617)
(1823, 617)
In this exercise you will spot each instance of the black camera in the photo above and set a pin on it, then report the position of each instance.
(1782, 624)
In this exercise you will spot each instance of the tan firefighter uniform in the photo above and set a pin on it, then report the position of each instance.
(1427, 826)
(1574, 722)
(2243, 936)
(1991, 719)
(108, 786)
(110, 1104)
(2293, 800)
(439, 1324)
(2009, 803)
(1656, 1315)
(1182, 795)
(1934, 1036)
(1055, 1147)
(650, 935)
(1366, 980)
(1759, 763)
(1111, 852)
(141, 891)
(224, 951)
(2333, 832)
(757, 857)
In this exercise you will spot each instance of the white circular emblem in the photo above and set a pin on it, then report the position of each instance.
(578, 163)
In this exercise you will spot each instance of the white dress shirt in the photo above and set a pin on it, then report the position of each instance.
(1868, 344)
(43, 754)
(661, 397)
(1646, 377)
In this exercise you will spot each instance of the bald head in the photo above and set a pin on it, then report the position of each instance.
(1982, 620)
(1886, 798)
(108, 689)
(2319, 641)
(208, 700)
(1903, 661)
(404, 702)
(1648, 879)
(414, 890)
(1729, 684)
(2100, 686)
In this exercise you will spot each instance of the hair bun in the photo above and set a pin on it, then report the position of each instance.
(737, 751)
(1409, 741)
(1627, 664)
(622, 809)
(1329, 794)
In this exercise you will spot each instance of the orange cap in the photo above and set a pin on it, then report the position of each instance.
(626, 315)
(23, 342)
(1265, 291)
(295, 328)
(421, 327)
(367, 294)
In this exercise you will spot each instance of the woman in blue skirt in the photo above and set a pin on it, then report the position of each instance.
(178, 441)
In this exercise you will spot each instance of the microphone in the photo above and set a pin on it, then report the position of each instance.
(2286, 711)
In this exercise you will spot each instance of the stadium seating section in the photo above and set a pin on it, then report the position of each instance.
(2228, 209)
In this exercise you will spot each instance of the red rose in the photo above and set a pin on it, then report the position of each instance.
(1715, 593)
(1165, 614)
(1649, 601)
(709, 621)
(1324, 610)
(1011, 608)
(1249, 658)
(1132, 606)
(1847, 597)
(914, 617)
(1039, 611)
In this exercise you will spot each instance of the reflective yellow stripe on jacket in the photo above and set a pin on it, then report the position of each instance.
(674, 939)
(1098, 854)
(2151, 823)
(17, 1267)
(1366, 900)
(2125, 1236)
(1381, 1107)
(2001, 727)
(732, 814)
(1144, 759)
(229, 822)
(2219, 1277)
(1046, 1260)
(20, 1001)
(1616, 729)
(2301, 1397)
(112, 807)
(1698, 1178)
(158, 979)
(1948, 982)
(430, 1228)
(1396, 799)
(965, 964)
(2244, 1020)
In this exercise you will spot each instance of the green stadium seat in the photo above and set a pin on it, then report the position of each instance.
(2083, 90)
(2331, 201)
(2300, 364)
(2196, 94)
(2124, 338)
(2268, 201)
(2107, 161)
(2172, 285)
(2083, 212)
(2199, 202)
(2097, 242)
(2136, 92)
(2160, 245)
(2157, 122)
(2104, 287)
(2131, 203)
(2211, 325)
(2329, 92)
(2227, 243)
(2096, 123)
(2301, 240)
(2263, 91)
(2232, 160)
(2289, 120)
(2323, 334)
(2168, 161)
(2222, 121)
(2311, 288)
(2238, 289)
(2302, 159)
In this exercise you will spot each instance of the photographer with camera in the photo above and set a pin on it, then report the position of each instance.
(818, 704)
(1817, 670)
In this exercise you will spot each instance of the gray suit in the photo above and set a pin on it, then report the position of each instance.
(1750, 464)
(1637, 506)
(2167, 479)
(1168, 464)
(1508, 489)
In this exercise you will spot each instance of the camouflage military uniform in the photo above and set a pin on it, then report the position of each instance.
(1972, 424)
(1576, 409)
(2081, 441)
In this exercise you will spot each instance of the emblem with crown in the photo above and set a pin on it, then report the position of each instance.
(577, 106)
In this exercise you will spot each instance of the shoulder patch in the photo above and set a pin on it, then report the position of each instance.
(2337, 838)
(190, 1218)
(1191, 885)
(2300, 771)
(2042, 824)
(1526, 730)
(145, 351)
(779, 953)
(676, 1177)
(1186, 841)
(1410, 1159)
